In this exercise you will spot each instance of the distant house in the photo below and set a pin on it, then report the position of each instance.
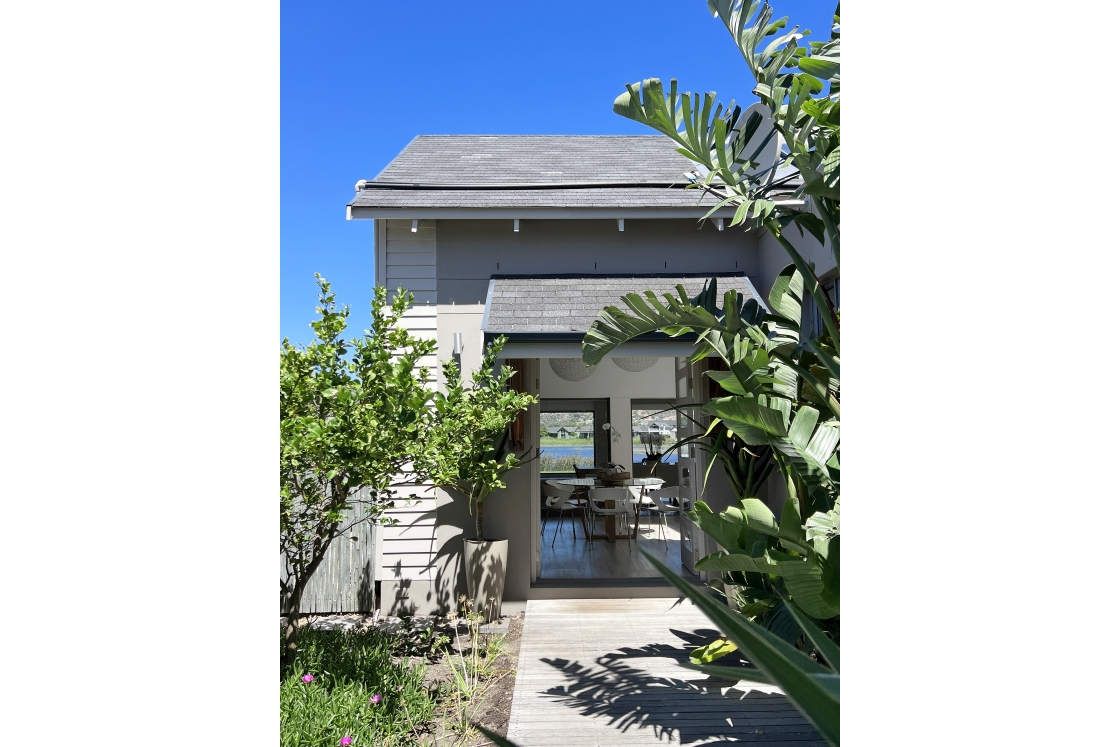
(561, 432)
(585, 433)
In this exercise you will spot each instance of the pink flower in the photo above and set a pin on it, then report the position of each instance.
(400, 687)
(307, 678)
(345, 742)
(375, 699)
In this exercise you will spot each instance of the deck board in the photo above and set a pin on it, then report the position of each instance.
(607, 672)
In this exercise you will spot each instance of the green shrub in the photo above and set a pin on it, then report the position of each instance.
(348, 669)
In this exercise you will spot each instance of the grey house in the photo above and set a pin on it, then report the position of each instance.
(530, 237)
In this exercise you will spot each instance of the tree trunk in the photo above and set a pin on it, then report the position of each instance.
(292, 614)
(478, 521)
(297, 596)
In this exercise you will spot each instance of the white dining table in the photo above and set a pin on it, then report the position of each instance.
(593, 482)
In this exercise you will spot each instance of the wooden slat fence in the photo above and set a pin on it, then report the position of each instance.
(344, 581)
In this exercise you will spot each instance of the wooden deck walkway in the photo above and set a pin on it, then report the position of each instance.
(606, 672)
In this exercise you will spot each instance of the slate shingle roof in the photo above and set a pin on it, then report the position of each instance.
(536, 159)
(571, 304)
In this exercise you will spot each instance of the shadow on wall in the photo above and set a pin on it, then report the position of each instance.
(443, 580)
(365, 589)
(448, 581)
(402, 605)
(619, 690)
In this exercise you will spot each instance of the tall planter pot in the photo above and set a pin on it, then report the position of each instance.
(485, 564)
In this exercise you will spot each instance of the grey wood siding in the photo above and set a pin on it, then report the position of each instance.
(410, 259)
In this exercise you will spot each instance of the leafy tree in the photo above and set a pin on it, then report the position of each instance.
(350, 417)
(782, 388)
(466, 447)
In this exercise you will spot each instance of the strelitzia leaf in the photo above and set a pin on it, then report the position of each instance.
(718, 648)
(810, 687)
(821, 642)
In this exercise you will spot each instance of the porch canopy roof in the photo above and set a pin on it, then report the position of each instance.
(546, 316)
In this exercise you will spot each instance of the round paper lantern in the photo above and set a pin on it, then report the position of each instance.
(635, 363)
(570, 369)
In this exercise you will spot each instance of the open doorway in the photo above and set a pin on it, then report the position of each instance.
(576, 436)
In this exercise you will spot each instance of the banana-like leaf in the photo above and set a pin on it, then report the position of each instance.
(736, 562)
(727, 533)
(821, 642)
(733, 674)
(803, 579)
(648, 314)
(744, 415)
(813, 690)
(712, 651)
(727, 382)
(754, 514)
(824, 524)
(787, 295)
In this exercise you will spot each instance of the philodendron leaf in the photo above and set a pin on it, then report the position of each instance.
(714, 650)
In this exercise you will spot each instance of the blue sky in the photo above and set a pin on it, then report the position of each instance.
(360, 80)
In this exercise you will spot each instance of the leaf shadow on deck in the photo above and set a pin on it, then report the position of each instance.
(620, 687)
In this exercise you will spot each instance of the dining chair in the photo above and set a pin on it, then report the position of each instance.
(577, 494)
(638, 500)
(621, 498)
(663, 502)
(558, 498)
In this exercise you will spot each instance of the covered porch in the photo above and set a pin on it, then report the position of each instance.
(626, 411)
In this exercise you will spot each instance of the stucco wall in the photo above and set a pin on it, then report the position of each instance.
(773, 258)
(608, 380)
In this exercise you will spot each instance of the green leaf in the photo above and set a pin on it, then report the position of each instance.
(803, 580)
(810, 687)
(821, 642)
(754, 514)
(733, 674)
(821, 68)
(712, 651)
(787, 293)
(736, 562)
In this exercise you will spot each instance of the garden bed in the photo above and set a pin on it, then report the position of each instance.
(396, 682)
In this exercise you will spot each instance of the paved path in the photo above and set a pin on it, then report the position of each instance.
(606, 672)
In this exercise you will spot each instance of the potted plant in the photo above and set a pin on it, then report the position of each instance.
(469, 454)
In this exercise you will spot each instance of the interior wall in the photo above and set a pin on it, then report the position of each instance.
(608, 380)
